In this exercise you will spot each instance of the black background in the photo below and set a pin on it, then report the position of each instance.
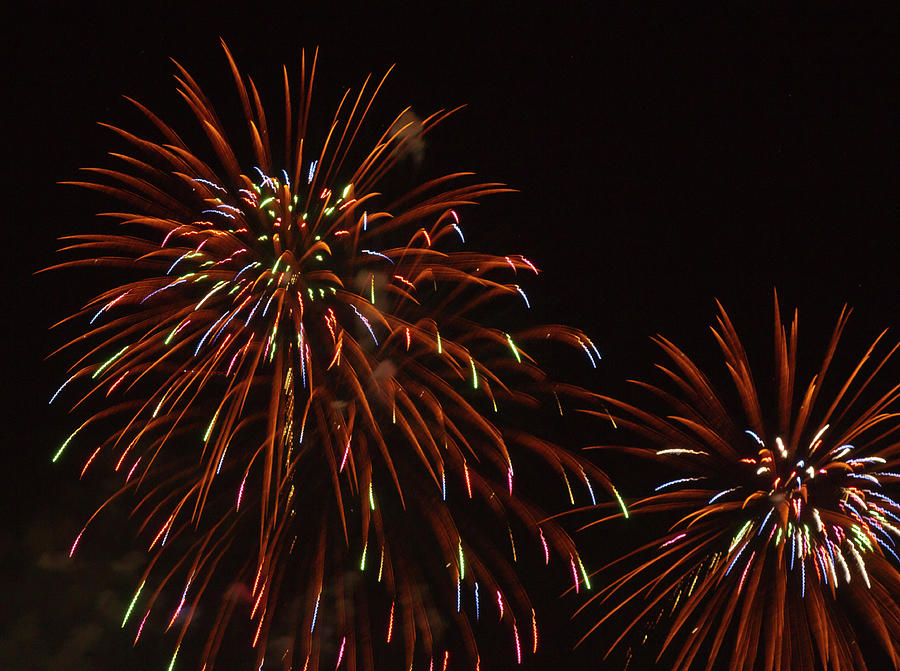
(664, 159)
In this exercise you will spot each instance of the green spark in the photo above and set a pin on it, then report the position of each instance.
(174, 655)
(171, 335)
(584, 574)
(739, 535)
(116, 356)
(513, 347)
(131, 605)
(66, 443)
(210, 427)
(621, 503)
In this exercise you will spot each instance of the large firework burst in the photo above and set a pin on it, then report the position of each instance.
(786, 531)
(298, 388)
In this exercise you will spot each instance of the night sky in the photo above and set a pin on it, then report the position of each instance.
(664, 159)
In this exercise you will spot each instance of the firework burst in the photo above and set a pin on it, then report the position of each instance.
(298, 389)
(786, 533)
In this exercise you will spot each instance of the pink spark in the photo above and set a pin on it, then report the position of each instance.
(390, 630)
(518, 646)
(673, 540)
(75, 544)
(344, 460)
(529, 264)
(131, 472)
(341, 652)
(141, 627)
(747, 568)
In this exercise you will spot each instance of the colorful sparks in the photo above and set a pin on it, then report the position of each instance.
(274, 324)
(772, 510)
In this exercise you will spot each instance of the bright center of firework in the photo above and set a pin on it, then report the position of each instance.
(781, 471)
(802, 488)
(821, 509)
(293, 247)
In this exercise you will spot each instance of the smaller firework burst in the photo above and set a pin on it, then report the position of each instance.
(787, 527)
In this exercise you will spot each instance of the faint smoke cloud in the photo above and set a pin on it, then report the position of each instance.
(407, 130)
